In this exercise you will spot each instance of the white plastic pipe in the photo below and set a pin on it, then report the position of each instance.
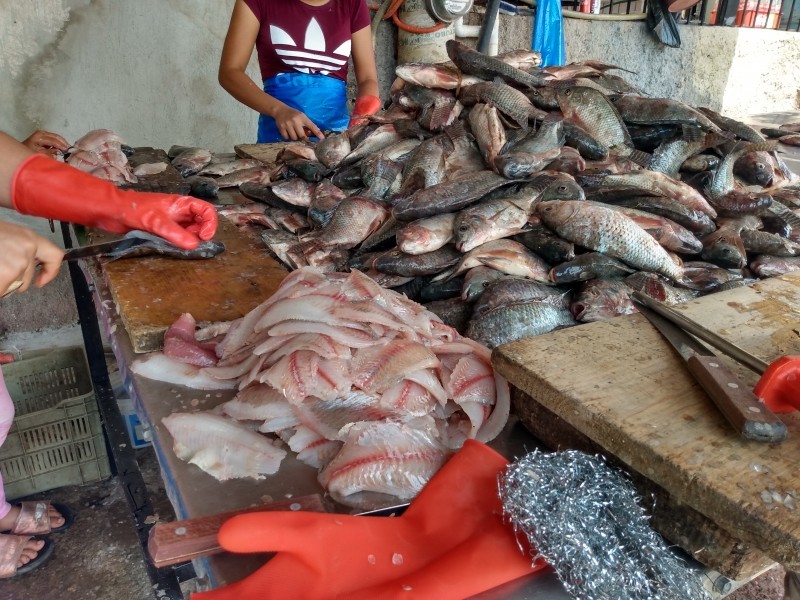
(473, 31)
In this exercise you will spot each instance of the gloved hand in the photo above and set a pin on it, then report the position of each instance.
(450, 543)
(365, 105)
(46, 188)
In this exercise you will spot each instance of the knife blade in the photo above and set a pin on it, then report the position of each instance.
(103, 248)
(738, 404)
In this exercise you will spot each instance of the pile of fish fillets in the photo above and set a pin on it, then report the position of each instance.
(362, 383)
(102, 153)
(513, 200)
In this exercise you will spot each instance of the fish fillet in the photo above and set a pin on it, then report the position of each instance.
(222, 447)
(159, 367)
(380, 367)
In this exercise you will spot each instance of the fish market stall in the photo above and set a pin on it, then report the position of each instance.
(492, 206)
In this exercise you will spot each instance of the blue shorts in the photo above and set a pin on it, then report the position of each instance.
(323, 99)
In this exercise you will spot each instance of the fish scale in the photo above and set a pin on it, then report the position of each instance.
(510, 323)
(504, 98)
(484, 120)
(486, 67)
(593, 111)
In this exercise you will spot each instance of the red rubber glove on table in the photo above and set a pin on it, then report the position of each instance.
(450, 543)
(43, 187)
(364, 106)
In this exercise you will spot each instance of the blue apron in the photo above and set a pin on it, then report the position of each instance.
(323, 99)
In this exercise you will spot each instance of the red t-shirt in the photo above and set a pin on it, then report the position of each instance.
(296, 37)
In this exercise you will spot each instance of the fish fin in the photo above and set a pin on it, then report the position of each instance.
(446, 275)
(641, 158)
(716, 138)
(692, 133)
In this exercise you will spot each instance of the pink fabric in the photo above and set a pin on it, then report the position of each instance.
(297, 38)
(6, 418)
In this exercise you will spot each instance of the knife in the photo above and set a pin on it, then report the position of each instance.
(104, 248)
(740, 406)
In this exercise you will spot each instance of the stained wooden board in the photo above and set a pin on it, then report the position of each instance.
(621, 385)
(266, 153)
(150, 292)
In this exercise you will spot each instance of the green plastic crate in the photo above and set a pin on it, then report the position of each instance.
(57, 437)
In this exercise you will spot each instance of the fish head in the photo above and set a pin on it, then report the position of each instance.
(724, 249)
(470, 231)
(477, 280)
(570, 98)
(556, 212)
(564, 189)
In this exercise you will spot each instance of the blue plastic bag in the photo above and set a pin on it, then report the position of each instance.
(548, 33)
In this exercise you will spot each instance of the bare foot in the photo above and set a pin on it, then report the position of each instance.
(7, 522)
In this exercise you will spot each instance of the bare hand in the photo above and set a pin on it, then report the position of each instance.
(21, 251)
(46, 142)
(294, 125)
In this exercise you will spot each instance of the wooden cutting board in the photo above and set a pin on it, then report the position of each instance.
(266, 153)
(150, 292)
(622, 385)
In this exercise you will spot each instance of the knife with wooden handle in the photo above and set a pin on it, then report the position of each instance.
(740, 406)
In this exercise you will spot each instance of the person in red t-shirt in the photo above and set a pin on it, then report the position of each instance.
(303, 51)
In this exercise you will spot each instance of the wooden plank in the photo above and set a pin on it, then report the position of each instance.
(266, 153)
(181, 541)
(620, 383)
(696, 534)
(151, 292)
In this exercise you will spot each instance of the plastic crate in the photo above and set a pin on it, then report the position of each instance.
(57, 437)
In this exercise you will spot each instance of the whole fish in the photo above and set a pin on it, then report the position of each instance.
(252, 175)
(708, 277)
(742, 202)
(659, 111)
(549, 136)
(602, 299)
(426, 235)
(510, 257)
(203, 187)
(396, 262)
(725, 247)
(738, 128)
(518, 321)
(723, 180)
(668, 233)
(383, 137)
(657, 288)
(490, 220)
(773, 132)
(543, 242)
(507, 291)
(448, 196)
(772, 266)
(352, 222)
(225, 168)
(587, 266)
(191, 161)
(606, 230)
(762, 242)
(695, 221)
(521, 165)
(434, 76)
(488, 68)
(488, 130)
(325, 198)
(476, 280)
(333, 149)
(509, 101)
(658, 184)
(593, 112)
(155, 245)
(793, 127)
(521, 59)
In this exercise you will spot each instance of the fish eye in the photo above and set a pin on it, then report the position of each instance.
(547, 208)
(562, 188)
(485, 284)
(463, 228)
(568, 93)
(760, 166)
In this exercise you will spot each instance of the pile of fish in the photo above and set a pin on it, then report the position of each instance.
(362, 383)
(513, 200)
(102, 153)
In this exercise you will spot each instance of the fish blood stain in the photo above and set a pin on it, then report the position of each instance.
(371, 559)
(397, 559)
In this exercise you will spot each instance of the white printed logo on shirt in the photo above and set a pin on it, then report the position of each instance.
(312, 58)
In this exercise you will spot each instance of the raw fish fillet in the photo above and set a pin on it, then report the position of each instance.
(147, 169)
(313, 449)
(222, 447)
(380, 367)
(386, 457)
(262, 403)
(180, 343)
(328, 417)
(98, 139)
(159, 367)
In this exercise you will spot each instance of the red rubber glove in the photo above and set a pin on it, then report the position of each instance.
(365, 105)
(47, 188)
(451, 543)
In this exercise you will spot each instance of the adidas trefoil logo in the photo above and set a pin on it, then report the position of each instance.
(313, 57)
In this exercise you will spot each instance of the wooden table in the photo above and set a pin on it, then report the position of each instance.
(619, 387)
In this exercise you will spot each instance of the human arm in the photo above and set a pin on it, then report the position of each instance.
(35, 185)
(236, 52)
(22, 250)
(46, 142)
(367, 102)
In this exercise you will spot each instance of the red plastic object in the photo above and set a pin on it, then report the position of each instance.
(451, 543)
(779, 386)
(43, 187)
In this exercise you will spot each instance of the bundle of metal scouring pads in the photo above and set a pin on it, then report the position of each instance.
(582, 517)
